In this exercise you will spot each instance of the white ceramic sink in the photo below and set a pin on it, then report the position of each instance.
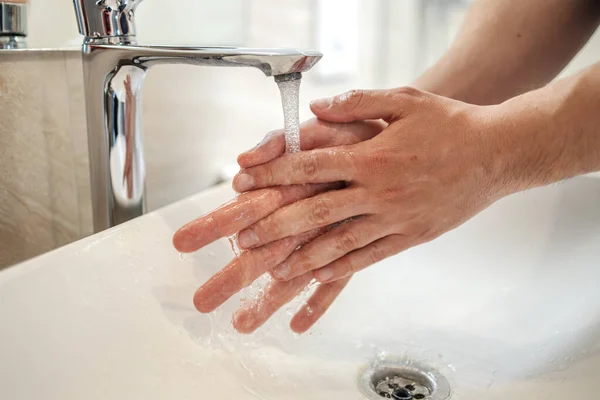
(507, 306)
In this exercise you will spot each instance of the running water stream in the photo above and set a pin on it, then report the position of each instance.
(290, 100)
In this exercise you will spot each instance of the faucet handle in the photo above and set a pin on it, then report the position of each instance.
(101, 19)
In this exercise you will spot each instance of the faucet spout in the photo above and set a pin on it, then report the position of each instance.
(114, 76)
(271, 62)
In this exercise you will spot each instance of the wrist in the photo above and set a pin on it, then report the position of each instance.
(493, 155)
(525, 154)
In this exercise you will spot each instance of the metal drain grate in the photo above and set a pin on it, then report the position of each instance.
(402, 379)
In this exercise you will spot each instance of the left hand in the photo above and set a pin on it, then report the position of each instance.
(251, 207)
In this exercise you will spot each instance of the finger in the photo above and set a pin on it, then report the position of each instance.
(304, 215)
(315, 166)
(276, 295)
(314, 134)
(317, 305)
(355, 105)
(365, 257)
(244, 270)
(329, 247)
(240, 213)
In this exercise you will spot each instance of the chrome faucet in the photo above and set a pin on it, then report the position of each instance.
(13, 25)
(114, 67)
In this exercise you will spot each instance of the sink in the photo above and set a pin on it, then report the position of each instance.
(506, 306)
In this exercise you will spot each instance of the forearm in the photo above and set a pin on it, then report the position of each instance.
(550, 134)
(506, 48)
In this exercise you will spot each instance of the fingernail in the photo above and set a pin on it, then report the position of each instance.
(283, 271)
(257, 145)
(244, 182)
(322, 103)
(247, 239)
(324, 274)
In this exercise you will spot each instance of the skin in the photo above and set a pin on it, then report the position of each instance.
(437, 164)
(506, 48)
(250, 208)
(430, 164)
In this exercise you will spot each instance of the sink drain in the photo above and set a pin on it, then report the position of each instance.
(402, 379)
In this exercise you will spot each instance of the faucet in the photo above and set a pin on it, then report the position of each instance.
(13, 25)
(114, 67)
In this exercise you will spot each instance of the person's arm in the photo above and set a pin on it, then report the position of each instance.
(506, 48)
(552, 133)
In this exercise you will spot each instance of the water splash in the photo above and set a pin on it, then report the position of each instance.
(250, 296)
(301, 300)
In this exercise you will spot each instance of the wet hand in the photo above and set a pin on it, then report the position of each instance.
(249, 208)
(430, 170)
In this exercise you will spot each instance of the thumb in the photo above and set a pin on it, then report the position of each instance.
(358, 105)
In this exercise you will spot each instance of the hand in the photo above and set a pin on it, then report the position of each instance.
(429, 171)
(251, 207)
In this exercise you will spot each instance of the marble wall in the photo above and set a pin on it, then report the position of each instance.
(42, 139)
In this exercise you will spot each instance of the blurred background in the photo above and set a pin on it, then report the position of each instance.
(366, 43)
(196, 120)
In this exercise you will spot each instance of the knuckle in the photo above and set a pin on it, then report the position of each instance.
(267, 229)
(270, 177)
(346, 267)
(407, 92)
(265, 257)
(301, 263)
(320, 213)
(347, 242)
(279, 197)
(377, 253)
(263, 176)
(244, 278)
(350, 161)
(249, 261)
(310, 166)
(351, 100)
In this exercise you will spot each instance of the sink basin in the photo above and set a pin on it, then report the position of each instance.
(506, 306)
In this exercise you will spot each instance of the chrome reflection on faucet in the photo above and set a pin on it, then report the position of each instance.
(114, 70)
(126, 161)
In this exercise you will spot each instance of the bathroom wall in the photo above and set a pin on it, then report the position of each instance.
(196, 120)
(52, 24)
(39, 194)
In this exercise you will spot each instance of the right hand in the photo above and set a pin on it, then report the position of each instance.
(252, 207)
